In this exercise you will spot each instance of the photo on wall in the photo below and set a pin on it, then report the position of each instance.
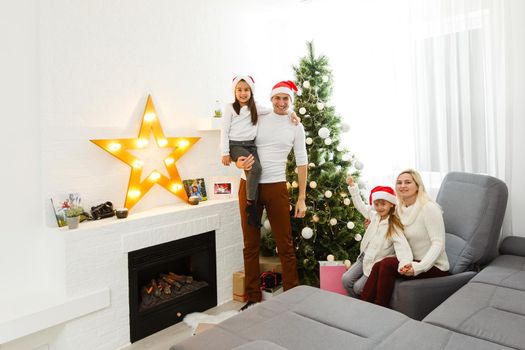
(195, 187)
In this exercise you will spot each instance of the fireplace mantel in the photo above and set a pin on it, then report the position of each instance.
(88, 268)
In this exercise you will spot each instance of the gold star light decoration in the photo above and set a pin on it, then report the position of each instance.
(119, 148)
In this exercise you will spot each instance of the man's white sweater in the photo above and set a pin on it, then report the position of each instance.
(276, 136)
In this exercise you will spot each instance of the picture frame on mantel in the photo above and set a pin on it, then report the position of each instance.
(223, 187)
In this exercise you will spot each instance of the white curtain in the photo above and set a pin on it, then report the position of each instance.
(459, 88)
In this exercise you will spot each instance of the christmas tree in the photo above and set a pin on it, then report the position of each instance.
(332, 226)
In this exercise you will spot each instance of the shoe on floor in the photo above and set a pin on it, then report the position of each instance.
(248, 305)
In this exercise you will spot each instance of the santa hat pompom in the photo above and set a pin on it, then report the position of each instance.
(247, 78)
(284, 87)
(383, 192)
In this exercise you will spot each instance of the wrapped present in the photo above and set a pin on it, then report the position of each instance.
(330, 274)
(239, 290)
(270, 263)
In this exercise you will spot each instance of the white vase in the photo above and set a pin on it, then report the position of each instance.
(72, 222)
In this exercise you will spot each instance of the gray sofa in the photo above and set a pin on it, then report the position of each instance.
(486, 313)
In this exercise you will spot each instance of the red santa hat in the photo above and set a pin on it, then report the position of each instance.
(383, 192)
(284, 87)
(247, 78)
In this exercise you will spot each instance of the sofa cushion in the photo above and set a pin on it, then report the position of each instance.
(485, 311)
(310, 318)
(506, 271)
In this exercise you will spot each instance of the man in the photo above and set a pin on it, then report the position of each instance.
(276, 136)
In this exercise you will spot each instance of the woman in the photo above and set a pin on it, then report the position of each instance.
(425, 232)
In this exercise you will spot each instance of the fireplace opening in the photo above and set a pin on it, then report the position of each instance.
(170, 280)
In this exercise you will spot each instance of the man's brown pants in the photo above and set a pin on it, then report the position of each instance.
(273, 197)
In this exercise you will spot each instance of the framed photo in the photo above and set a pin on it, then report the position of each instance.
(223, 187)
(195, 187)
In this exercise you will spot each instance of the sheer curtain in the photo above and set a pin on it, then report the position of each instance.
(459, 88)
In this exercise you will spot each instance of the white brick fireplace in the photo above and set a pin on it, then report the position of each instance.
(91, 309)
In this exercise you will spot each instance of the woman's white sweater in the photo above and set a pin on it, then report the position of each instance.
(425, 232)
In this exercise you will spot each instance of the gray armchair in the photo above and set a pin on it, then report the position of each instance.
(473, 209)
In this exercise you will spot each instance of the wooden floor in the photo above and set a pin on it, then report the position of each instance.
(167, 337)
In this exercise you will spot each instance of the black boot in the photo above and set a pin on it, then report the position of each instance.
(247, 305)
(254, 219)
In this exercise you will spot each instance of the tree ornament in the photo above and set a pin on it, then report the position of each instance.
(295, 184)
(306, 84)
(296, 170)
(302, 110)
(350, 225)
(330, 257)
(307, 232)
(339, 148)
(299, 93)
(346, 201)
(328, 194)
(325, 79)
(309, 141)
(358, 237)
(267, 225)
(358, 165)
(288, 185)
(333, 221)
(313, 184)
(328, 141)
(311, 165)
(323, 132)
(320, 106)
(345, 127)
(315, 218)
(347, 263)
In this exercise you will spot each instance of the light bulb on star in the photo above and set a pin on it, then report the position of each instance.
(339, 148)
(315, 218)
(325, 79)
(313, 184)
(309, 141)
(333, 221)
(350, 225)
(358, 237)
(311, 165)
(320, 106)
(295, 184)
(328, 194)
(328, 141)
(346, 201)
(306, 84)
(358, 165)
(114, 146)
(330, 257)
(302, 110)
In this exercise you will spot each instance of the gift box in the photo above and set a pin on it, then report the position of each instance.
(270, 263)
(330, 274)
(268, 293)
(239, 291)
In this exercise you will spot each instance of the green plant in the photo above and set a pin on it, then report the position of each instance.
(72, 211)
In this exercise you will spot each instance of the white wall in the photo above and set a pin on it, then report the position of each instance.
(20, 146)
